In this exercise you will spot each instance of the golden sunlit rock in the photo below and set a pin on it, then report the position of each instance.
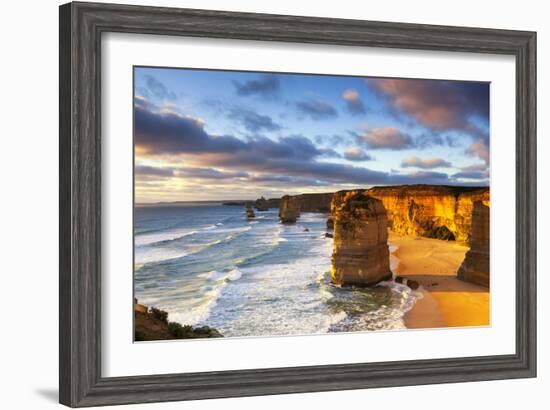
(475, 267)
(289, 209)
(441, 212)
(360, 253)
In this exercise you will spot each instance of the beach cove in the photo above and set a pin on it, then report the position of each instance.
(446, 300)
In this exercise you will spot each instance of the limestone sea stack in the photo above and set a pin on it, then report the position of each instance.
(261, 204)
(475, 267)
(249, 210)
(360, 251)
(289, 209)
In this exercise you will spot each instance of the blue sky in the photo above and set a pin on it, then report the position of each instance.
(205, 135)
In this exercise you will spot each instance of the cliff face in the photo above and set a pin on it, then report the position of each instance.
(273, 202)
(475, 267)
(434, 211)
(360, 253)
(442, 212)
(291, 205)
(315, 202)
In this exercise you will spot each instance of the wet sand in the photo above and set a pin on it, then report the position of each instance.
(447, 301)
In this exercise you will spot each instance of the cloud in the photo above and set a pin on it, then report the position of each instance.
(386, 138)
(208, 173)
(356, 154)
(430, 138)
(178, 137)
(168, 132)
(267, 86)
(172, 133)
(332, 140)
(144, 170)
(158, 89)
(317, 109)
(474, 167)
(353, 101)
(479, 149)
(188, 172)
(425, 163)
(436, 104)
(328, 153)
(429, 176)
(471, 175)
(144, 104)
(286, 180)
(253, 121)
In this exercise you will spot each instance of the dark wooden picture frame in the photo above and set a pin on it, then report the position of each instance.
(81, 27)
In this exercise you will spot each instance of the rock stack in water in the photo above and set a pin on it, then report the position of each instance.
(475, 267)
(249, 210)
(262, 204)
(289, 209)
(360, 253)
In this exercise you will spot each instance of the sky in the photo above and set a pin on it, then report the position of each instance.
(220, 135)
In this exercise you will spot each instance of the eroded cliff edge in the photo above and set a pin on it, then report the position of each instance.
(433, 211)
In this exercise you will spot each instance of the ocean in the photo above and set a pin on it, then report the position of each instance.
(206, 264)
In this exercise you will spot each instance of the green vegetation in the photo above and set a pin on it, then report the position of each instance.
(159, 314)
(188, 332)
(154, 325)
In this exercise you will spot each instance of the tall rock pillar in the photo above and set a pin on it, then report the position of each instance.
(475, 267)
(289, 209)
(360, 253)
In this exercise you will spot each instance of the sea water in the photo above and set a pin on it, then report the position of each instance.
(207, 264)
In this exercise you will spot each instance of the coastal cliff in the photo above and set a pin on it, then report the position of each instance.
(441, 212)
(475, 267)
(360, 220)
(315, 202)
(432, 211)
(360, 253)
(291, 206)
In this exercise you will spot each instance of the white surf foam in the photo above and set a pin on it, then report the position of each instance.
(197, 311)
(149, 255)
(149, 239)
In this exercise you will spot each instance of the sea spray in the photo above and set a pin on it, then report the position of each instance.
(254, 279)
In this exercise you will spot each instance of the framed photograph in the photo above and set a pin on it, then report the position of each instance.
(262, 204)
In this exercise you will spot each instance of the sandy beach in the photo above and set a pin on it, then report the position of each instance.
(447, 301)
